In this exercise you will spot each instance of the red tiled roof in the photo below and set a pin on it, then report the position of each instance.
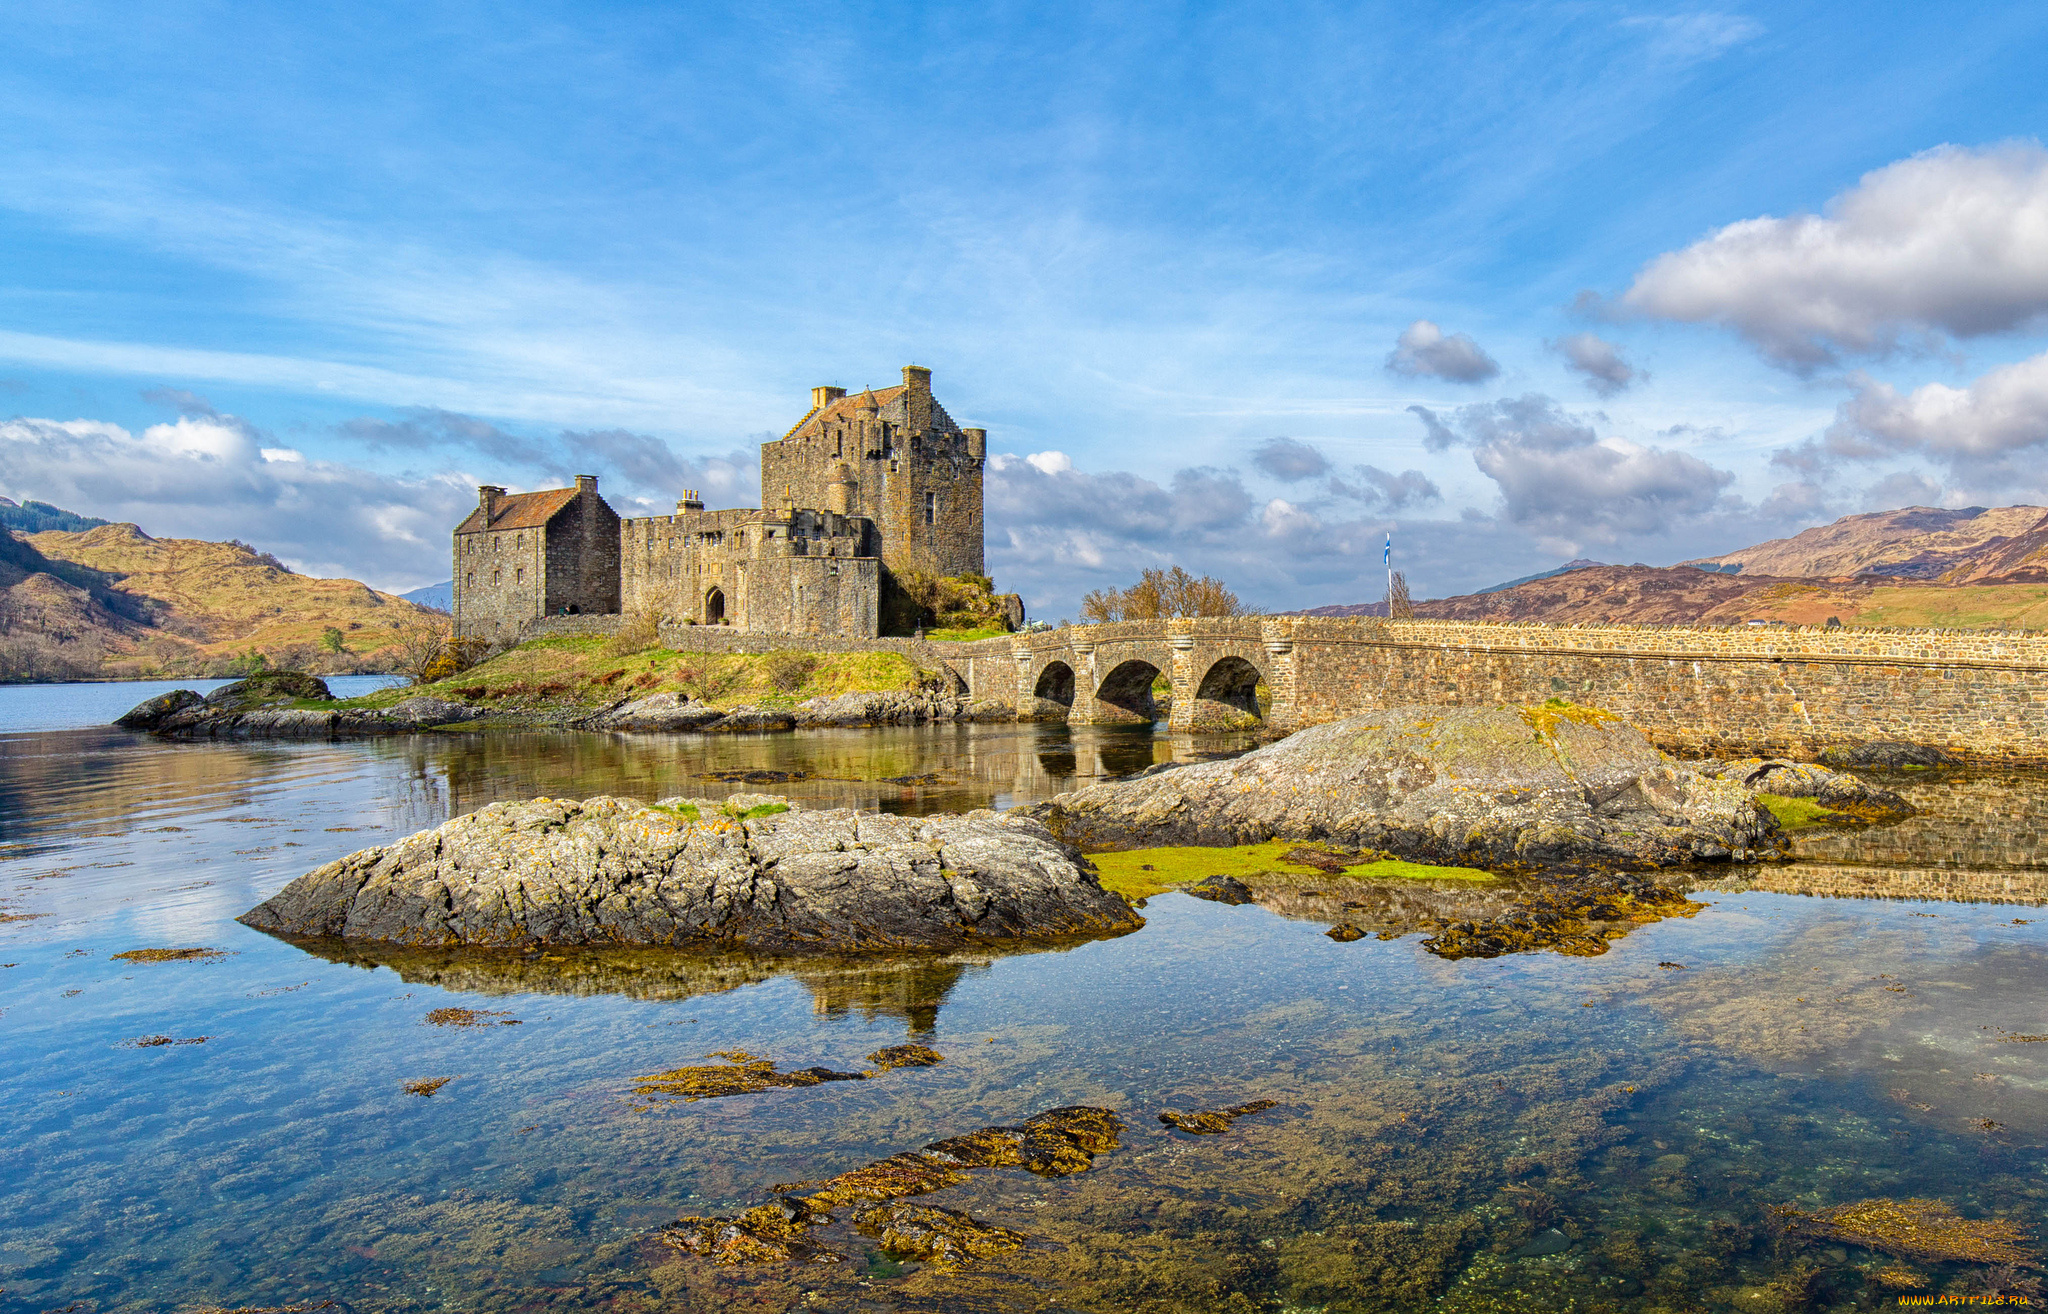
(519, 511)
(843, 409)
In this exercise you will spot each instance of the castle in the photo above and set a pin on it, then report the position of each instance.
(861, 489)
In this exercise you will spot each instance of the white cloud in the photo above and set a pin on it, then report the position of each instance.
(2000, 414)
(1561, 480)
(1598, 360)
(1424, 350)
(210, 477)
(1951, 241)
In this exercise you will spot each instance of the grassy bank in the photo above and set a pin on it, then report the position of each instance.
(563, 672)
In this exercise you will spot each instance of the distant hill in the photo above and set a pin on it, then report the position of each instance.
(441, 597)
(113, 602)
(34, 517)
(1580, 563)
(1914, 542)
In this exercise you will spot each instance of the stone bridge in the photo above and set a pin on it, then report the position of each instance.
(1696, 689)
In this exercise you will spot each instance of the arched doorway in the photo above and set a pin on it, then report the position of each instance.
(1126, 693)
(714, 607)
(1053, 694)
(1228, 695)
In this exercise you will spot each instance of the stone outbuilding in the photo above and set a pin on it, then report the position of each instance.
(522, 556)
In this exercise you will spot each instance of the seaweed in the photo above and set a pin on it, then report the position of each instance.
(1056, 1143)
(167, 955)
(427, 1087)
(1213, 1122)
(1563, 913)
(154, 1042)
(756, 777)
(468, 1017)
(1912, 1229)
(905, 1056)
(743, 1074)
(1345, 933)
(943, 1238)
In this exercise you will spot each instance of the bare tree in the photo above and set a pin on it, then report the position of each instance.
(1160, 595)
(1399, 605)
(420, 644)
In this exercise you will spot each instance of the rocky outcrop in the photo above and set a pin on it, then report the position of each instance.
(263, 707)
(1831, 789)
(657, 713)
(751, 871)
(1503, 787)
(902, 707)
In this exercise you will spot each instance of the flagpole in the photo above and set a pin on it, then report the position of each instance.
(1387, 560)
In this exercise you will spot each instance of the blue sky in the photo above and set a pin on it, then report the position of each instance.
(306, 275)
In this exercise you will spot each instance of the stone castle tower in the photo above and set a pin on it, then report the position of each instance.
(860, 490)
(895, 458)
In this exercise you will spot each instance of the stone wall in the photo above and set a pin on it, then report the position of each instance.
(499, 581)
(583, 554)
(800, 572)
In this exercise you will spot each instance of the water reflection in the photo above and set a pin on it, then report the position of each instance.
(908, 988)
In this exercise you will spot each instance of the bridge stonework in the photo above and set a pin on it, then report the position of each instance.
(1703, 690)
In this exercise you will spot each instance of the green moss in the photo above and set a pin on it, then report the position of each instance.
(680, 811)
(1798, 813)
(964, 636)
(764, 810)
(1142, 873)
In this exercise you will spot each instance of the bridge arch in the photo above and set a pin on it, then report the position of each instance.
(1052, 693)
(1228, 693)
(1125, 694)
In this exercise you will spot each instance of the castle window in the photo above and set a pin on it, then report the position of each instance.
(497, 575)
(471, 581)
(519, 575)
(931, 508)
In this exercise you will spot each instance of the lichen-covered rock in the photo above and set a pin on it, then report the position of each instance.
(1492, 787)
(747, 872)
(268, 688)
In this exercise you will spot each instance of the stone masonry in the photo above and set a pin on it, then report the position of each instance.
(860, 487)
(522, 556)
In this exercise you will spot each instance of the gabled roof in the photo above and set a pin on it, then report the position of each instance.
(845, 408)
(519, 511)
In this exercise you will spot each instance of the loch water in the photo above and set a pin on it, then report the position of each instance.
(1531, 1132)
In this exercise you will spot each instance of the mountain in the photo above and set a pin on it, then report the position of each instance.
(1580, 563)
(441, 597)
(1914, 542)
(113, 602)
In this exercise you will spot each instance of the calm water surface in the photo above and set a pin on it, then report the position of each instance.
(1532, 1132)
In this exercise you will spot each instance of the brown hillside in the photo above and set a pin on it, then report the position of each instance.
(2022, 558)
(1681, 595)
(115, 601)
(1914, 542)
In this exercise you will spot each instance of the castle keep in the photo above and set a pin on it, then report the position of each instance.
(861, 488)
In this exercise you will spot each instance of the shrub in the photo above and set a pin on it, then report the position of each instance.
(636, 633)
(787, 669)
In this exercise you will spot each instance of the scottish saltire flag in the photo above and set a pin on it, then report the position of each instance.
(1387, 557)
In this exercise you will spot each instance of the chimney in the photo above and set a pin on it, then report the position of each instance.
(916, 378)
(690, 502)
(586, 483)
(487, 496)
(977, 443)
(823, 397)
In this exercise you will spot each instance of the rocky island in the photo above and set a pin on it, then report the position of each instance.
(749, 872)
(1531, 788)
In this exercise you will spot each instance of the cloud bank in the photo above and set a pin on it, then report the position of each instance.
(1949, 242)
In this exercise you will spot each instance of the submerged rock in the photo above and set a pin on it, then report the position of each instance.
(752, 871)
(1487, 787)
(1056, 1143)
(1223, 889)
(1886, 755)
(1213, 1122)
